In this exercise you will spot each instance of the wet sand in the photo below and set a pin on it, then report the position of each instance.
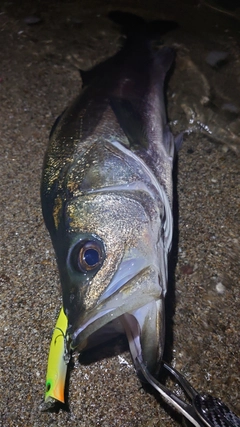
(38, 78)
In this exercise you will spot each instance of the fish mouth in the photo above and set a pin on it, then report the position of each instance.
(131, 304)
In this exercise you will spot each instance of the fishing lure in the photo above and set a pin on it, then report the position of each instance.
(57, 363)
(204, 411)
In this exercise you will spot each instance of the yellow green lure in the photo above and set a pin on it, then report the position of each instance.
(58, 359)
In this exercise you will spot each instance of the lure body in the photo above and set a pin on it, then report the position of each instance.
(57, 363)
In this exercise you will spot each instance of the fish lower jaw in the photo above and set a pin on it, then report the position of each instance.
(143, 328)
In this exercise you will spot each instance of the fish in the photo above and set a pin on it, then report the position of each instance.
(106, 197)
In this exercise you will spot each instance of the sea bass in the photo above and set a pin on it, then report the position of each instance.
(107, 202)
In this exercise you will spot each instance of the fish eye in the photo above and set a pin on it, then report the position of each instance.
(90, 255)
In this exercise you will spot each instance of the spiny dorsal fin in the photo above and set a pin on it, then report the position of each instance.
(130, 121)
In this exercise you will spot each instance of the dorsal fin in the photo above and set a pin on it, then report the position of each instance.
(139, 34)
(130, 121)
(134, 25)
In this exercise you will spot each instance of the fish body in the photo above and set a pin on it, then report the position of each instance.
(107, 202)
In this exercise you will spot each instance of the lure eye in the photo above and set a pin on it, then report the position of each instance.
(90, 256)
(48, 386)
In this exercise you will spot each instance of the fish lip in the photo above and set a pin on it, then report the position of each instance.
(78, 338)
(119, 303)
(82, 328)
(145, 336)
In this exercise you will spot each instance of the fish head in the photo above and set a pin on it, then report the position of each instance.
(109, 250)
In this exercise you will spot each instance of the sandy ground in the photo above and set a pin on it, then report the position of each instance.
(38, 78)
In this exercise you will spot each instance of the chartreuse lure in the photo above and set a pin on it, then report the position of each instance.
(57, 363)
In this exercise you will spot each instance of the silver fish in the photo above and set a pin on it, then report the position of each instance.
(107, 202)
